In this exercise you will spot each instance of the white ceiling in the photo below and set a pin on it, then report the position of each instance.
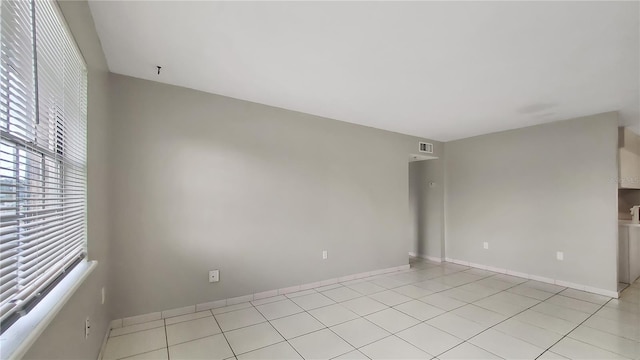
(440, 70)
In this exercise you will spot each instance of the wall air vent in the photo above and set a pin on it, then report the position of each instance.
(424, 147)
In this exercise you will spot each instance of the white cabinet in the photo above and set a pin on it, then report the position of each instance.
(629, 159)
(634, 253)
(628, 253)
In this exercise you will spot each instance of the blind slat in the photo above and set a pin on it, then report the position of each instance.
(51, 232)
(43, 110)
(51, 256)
(28, 292)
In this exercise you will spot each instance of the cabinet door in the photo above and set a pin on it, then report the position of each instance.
(634, 253)
(623, 254)
(629, 169)
(629, 157)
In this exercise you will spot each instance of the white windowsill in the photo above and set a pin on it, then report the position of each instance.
(23, 333)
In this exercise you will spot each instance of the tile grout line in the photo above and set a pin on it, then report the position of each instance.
(558, 293)
(512, 316)
(274, 328)
(223, 334)
(345, 340)
(133, 332)
(304, 310)
(531, 308)
(509, 317)
(570, 331)
(450, 311)
(251, 302)
(146, 352)
(359, 316)
(326, 327)
(387, 308)
(606, 331)
(269, 322)
(395, 271)
(577, 326)
(414, 280)
(287, 340)
(166, 337)
(425, 321)
(446, 311)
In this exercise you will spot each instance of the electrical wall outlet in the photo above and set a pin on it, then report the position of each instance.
(87, 327)
(560, 255)
(325, 255)
(485, 245)
(214, 276)
(103, 295)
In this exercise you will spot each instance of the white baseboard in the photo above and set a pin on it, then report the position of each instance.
(426, 257)
(432, 258)
(132, 320)
(609, 293)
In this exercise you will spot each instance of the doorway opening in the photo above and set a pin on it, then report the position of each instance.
(426, 207)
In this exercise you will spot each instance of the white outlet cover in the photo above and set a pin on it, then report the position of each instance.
(485, 245)
(560, 255)
(87, 327)
(325, 255)
(103, 295)
(214, 276)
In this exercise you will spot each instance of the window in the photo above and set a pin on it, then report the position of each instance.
(43, 112)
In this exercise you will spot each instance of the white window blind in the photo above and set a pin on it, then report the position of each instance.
(43, 111)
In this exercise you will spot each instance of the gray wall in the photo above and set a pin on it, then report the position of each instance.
(64, 337)
(534, 191)
(427, 208)
(204, 182)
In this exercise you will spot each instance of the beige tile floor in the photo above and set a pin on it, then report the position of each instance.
(443, 311)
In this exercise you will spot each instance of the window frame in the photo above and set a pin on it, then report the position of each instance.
(24, 325)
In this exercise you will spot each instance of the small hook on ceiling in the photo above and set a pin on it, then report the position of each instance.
(159, 67)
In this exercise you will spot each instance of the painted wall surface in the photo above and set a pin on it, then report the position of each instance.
(205, 182)
(534, 191)
(427, 208)
(64, 337)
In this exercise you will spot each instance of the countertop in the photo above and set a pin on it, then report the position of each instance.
(627, 223)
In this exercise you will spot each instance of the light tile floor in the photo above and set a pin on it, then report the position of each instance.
(443, 311)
